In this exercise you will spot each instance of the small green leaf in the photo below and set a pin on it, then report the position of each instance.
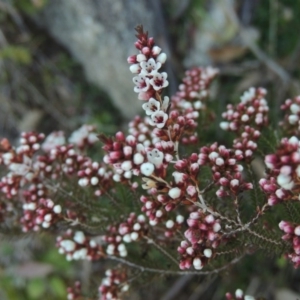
(58, 287)
(36, 288)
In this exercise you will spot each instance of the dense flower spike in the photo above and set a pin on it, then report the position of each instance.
(149, 83)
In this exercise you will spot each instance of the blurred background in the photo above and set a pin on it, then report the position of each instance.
(64, 63)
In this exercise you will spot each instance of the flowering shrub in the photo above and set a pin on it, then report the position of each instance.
(161, 201)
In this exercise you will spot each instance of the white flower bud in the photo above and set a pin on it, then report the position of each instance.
(174, 192)
(207, 253)
(245, 118)
(94, 180)
(134, 236)
(293, 119)
(126, 165)
(224, 125)
(83, 182)
(156, 50)
(295, 108)
(137, 226)
(170, 224)
(117, 177)
(57, 209)
(239, 293)
(162, 57)
(135, 68)
(138, 158)
(297, 231)
(179, 219)
(79, 237)
(197, 263)
(141, 57)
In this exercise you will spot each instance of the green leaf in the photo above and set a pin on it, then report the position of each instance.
(18, 54)
(36, 288)
(58, 287)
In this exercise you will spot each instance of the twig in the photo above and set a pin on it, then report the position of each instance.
(162, 250)
(173, 272)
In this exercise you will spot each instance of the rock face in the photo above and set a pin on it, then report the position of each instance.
(100, 35)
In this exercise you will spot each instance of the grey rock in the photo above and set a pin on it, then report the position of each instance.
(100, 35)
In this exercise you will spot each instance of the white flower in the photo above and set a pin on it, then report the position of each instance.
(54, 139)
(248, 95)
(85, 132)
(147, 168)
(179, 177)
(68, 245)
(155, 157)
(21, 169)
(159, 80)
(142, 83)
(149, 66)
(158, 119)
(151, 106)
(149, 183)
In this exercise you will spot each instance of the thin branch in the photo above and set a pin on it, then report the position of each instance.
(162, 250)
(173, 272)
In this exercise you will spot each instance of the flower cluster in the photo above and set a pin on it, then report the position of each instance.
(76, 245)
(113, 285)
(282, 182)
(227, 173)
(74, 292)
(191, 96)
(202, 238)
(291, 123)
(292, 234)
(194, 89)
(131, 230)
(38, 210)
(239, 295)
(247, 119)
